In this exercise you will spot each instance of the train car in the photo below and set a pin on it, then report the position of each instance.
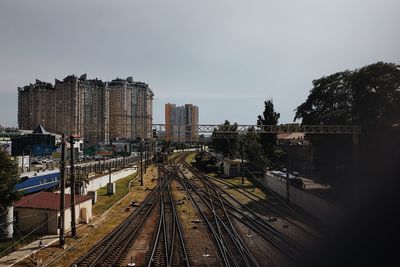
(38, 181)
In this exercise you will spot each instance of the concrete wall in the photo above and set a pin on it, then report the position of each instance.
(46, 221)
(86, 204)
(36, 221)
(101, 181)
(323, 210)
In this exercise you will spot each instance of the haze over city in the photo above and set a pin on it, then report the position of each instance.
(227, 57)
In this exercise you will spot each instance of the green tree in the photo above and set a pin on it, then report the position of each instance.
(376, 90)
(224, 138)
(329, 102)
(249, 148)
(269, 117)
(9, 177)
(368, 97)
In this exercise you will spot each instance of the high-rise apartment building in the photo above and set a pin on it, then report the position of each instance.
(181, 122)
(120, 108)
(143, 110)
(70, 94)
(93, 109)
(96, 111)
(31, 111)
(131, 109)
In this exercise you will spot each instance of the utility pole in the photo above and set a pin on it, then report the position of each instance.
(62, 197)
(287, 175)
(109, 181)
(145, 157)
(141, 163)
(72, 187)
(242, 169)
(23, 156)
(154, 150)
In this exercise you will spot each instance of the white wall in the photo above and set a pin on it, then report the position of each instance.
(30, 219)
(325, 211)
(6, 222)
(103, 180)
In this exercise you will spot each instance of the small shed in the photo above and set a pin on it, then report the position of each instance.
(232, 167)
(38, 213)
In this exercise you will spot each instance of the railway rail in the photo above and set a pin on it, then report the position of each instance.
(244, 215)
(221, 214)
(168, 246)
(168, 249)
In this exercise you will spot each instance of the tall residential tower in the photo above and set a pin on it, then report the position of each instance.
(96, 110)
(181, 123)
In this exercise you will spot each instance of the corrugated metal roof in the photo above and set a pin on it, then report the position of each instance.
(48, 201)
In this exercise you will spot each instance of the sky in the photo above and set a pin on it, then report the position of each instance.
(225, 56)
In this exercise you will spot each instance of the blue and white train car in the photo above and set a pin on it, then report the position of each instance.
(32, 182)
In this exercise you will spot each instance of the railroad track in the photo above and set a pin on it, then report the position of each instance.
(231, 248)
(168, 246)
(168, 249)
(111, 250)
(284, 213)
(241, 213)
(221, 214)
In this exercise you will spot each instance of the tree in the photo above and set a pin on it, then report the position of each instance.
(376, 90)
(368, 97)
(329, 102)
(269, 117)
(249, 147)
(224, 138)
(9, 177)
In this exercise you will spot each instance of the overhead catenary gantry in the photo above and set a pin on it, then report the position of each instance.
(228, 131)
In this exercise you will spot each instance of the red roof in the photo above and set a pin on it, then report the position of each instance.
(48, 201)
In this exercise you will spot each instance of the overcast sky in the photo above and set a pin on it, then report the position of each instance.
(224, 56)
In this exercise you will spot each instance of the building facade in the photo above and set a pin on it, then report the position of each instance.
(70, 94)
(181, 123)
(143, 110)
(32, 111)
(120, 109)
(131, 109)
(95, 110)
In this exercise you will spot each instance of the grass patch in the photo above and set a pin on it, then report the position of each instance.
(104, 201)
(5, 245)
(190, 158)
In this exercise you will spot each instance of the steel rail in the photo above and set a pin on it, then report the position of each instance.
(219, 221)
(243, 250)
(225, 261)
(270, 234)
(275, 210)
(115, 242)
(179, 231)
(110, 238)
